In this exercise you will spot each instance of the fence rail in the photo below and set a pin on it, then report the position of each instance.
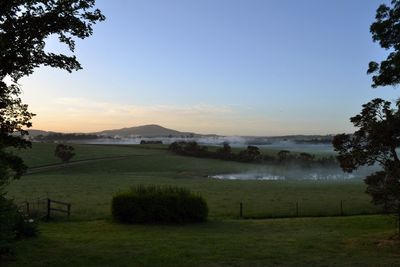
(41, 208)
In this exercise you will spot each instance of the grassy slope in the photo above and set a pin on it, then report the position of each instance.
(346, 241)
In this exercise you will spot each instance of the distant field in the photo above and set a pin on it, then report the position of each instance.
(43, 153)
(89, 186)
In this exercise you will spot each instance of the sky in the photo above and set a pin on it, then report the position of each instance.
(229, 67)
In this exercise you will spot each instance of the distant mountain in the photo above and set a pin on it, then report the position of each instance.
(151, 130)
(34, 133)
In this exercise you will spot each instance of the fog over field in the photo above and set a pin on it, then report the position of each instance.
(268, 171)
(234, 141)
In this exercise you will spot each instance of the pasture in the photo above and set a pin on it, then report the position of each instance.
(91, 238)
(89, 185)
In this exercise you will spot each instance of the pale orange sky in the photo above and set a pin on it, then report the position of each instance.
(224, 67)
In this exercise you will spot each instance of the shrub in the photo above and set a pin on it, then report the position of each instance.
(13, 225)
(225, 152)
(26, 227)
(176, 147)
(64, 152)
(156, 204)
(251, 154)
(8, 218)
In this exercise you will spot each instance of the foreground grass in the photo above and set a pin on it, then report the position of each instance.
(346, 241)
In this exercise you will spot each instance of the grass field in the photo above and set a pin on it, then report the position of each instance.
(90, 238)
(89, 186)
(351, 241)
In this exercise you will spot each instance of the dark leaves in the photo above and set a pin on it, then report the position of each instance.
(64, 152)
(24, 29)
(375, 142)
(25, 26)
(386, 31)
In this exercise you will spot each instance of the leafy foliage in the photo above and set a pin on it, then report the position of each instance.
(155, 204)
(378, 134)
(386, 31)
(375, 141)
(64, 152)
(25, 26)
(14, 117)
(251, 154)
(24, 29)
(225, 152)
(13, 225)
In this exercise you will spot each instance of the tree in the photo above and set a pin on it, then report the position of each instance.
(24, 29)
(225, 152)
(14, 116)
(375, 141)
(386, 31)
(251, 154)
(284, 155)
(64, 152)
(378, 134)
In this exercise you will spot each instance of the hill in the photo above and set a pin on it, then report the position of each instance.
(35, 133)
(151, 130)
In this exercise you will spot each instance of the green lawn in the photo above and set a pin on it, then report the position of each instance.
(345, 241)
(90, 238)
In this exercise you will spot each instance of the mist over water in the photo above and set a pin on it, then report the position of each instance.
(274, 173)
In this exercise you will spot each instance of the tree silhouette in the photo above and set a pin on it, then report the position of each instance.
(225, 152)
(378, 134)
(24, 29)
(386, 31)
(64, 152)
(374, 142)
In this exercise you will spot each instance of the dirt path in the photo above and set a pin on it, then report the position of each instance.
(77, 162)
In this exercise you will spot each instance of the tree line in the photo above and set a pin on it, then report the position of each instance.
(251, 154)
(65, 137)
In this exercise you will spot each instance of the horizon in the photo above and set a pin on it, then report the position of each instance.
(199, 133)
(226, 67)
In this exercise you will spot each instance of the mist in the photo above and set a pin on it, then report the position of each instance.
(269, 173)
(234, 141)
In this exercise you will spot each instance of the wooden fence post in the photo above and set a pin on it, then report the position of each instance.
(69, 210)
(241, 210)
(48, 209)
(297, 209)
(27, 208)
(398, 219)
(341, 207)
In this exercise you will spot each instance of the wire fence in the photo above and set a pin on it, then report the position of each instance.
(251, 210)
(47, 207)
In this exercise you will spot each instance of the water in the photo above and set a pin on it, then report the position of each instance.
(280, 173)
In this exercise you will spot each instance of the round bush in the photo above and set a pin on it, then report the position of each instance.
(156, 204)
